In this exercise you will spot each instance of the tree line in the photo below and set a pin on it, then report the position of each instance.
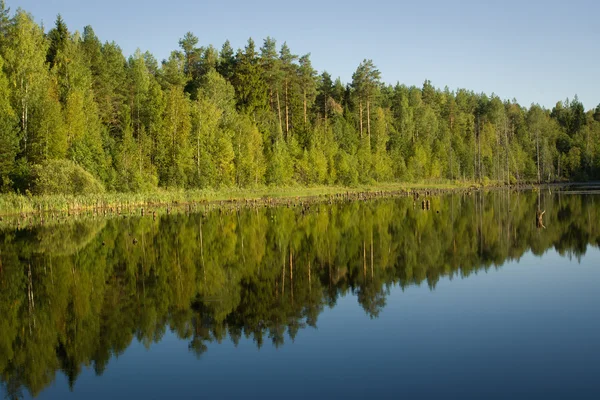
(78, 293)
(210, 118)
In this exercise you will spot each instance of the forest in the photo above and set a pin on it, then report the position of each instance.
(78, 294)
(78, 116)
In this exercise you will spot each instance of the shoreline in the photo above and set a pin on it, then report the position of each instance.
(22, 205)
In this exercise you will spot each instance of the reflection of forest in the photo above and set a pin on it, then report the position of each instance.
(75, 295)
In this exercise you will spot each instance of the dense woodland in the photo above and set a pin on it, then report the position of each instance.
(77, 115)
(77, 294)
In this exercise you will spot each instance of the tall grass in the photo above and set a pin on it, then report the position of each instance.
(14, 204)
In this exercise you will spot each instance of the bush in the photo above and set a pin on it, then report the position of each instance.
(63, 177)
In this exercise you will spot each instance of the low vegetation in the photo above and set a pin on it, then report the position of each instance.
(12, 203)
(63, 177)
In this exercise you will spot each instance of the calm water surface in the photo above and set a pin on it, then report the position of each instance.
(367, 299)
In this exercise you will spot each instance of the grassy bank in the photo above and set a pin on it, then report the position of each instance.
(19, 204)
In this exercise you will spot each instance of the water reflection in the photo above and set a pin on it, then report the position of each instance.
(77, 294)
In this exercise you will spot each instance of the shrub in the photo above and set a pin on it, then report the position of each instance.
(64, 177)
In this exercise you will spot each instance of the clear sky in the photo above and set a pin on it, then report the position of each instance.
(534, 51)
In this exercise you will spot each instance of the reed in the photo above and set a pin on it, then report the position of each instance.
(12, 203)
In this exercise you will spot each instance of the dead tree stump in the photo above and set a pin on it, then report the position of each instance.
(539, 219)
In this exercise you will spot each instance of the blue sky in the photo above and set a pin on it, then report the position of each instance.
(534, 51)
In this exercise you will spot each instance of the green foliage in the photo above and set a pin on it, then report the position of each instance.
(129, 163)
(174, 153)
(347, 168)
(241, 118)
(281, 168)
(249, 85)
(250, 163)
(63, 177)
(8, 133)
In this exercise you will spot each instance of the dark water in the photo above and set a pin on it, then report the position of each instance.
(366, 299)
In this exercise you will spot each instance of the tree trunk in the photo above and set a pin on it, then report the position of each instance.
(479, 147)
(369, 119)
(507, 144)
(141, 160)
(309, 283)
(173, 152)
(25, 110)
(287, 115)
(283, 276)
(325, 111)
(304, 95)
(279, 113)
(292, 274)
(202, 249)
(537, 145)
(364, 260)
(371, 256)
(361, 118)
(475, 157)
(451, 169)
(498, 161)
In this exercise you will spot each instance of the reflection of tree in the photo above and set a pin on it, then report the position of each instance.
(264, 274)
(13, 388)
(371, 299)
(201, 324)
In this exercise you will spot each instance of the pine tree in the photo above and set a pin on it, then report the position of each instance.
(307, 77)
(288, 72)
(4, 24)
(272, 75)
(249, 85)
(365, 82)
(58, 37)
(226, 63)
(191, 63)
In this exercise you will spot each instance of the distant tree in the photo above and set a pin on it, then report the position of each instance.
(226, 63)
(173, 71)
(272, 75)
(308, 84)
(4, 23)
(249, 85)
(288, 72)
(365, 82)
(58, 37)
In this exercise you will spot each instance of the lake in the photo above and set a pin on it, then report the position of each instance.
(354, 299)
